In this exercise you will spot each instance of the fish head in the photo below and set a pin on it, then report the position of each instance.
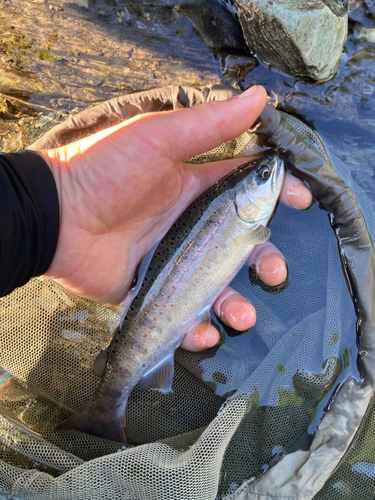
(257, 194)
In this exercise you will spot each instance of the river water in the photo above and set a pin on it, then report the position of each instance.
(58, 58)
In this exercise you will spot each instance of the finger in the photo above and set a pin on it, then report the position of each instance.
(188, 132)
(200, 337)
(295, 193)
(234, 310)
(269, 264)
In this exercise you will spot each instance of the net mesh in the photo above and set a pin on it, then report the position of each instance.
(236, 412)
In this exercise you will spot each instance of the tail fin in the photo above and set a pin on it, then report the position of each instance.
(83, 421)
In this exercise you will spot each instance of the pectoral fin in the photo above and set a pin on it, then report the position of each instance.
(159, 377)
(259, 235)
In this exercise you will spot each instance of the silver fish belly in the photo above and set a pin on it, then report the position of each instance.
(195, 261)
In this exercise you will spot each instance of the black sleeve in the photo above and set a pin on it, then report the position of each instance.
(29, 218)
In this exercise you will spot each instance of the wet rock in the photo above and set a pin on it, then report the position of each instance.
(236, 69)
(303, 38)
(218, 27)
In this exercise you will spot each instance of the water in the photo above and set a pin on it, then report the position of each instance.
(58, 58)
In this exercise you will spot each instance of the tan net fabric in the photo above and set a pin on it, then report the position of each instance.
(245, 145)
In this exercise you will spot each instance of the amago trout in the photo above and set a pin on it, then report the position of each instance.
(195, 261)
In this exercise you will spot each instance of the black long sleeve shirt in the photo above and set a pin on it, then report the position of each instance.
(29, 218)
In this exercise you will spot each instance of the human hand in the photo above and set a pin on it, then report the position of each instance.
(122, 188)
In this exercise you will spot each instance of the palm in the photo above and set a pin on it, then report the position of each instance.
(119, 217)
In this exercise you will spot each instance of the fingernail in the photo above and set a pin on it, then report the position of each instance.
(249, 92)
(238, 313)
(273, 274)
(313, 201)
(296, 196)
(278, 268)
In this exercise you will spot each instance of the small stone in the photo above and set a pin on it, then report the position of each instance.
(42, 121)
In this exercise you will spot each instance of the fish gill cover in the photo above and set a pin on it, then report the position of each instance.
(283, 410)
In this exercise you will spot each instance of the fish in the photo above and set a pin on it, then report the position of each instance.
(195, 261)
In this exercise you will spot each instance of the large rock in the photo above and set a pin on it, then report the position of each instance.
(216, 25)
(303, 38)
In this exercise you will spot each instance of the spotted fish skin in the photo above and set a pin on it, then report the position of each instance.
(195, 261)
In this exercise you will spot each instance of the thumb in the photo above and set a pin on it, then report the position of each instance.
(188, 132)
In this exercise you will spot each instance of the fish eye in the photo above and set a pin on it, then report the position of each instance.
(263, 172)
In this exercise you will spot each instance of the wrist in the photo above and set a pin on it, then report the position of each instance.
(52, 159)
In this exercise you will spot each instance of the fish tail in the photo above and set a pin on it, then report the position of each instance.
(84, 421)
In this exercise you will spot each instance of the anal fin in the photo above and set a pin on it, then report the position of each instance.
(160, 377)
(100, 363)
